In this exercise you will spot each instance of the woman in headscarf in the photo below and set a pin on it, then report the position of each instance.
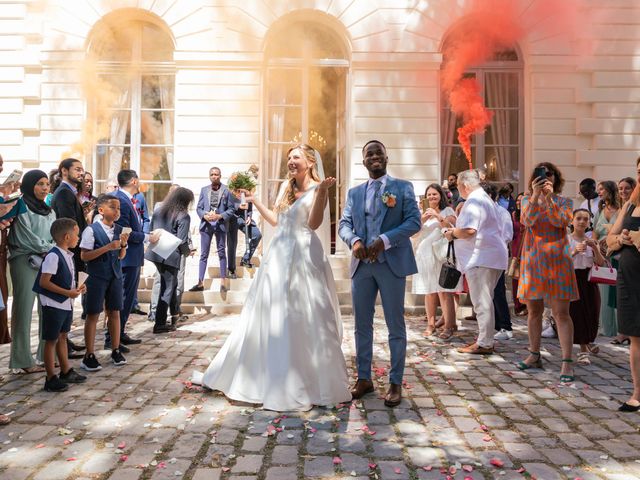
(29, 241)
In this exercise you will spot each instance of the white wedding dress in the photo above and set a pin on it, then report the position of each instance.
(285, 352)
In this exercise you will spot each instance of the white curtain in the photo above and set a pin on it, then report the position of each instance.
(448, 138)
(497, 87)
(165, 83)
(118, 133)
(276, 134)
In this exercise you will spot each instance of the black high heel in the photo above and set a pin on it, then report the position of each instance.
(625, 407)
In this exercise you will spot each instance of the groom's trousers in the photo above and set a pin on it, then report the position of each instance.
(367, 281)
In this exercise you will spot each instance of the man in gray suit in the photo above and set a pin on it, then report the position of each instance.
(214, 209)
(378, 220)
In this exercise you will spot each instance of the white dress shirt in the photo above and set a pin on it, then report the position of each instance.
(88, 241)
(50, 265)
(487, 248)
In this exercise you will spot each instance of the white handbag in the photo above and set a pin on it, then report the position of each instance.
(606, 275)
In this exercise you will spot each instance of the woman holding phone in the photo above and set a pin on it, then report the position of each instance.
(547, 274)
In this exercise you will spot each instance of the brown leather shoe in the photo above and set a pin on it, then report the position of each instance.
(393, 396)
(476, 349)
(361, 388)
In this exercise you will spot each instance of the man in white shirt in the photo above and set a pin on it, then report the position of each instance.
(482, 254)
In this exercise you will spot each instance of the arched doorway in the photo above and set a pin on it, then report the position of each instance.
(500, 149)
(131, 104)
(306, 77)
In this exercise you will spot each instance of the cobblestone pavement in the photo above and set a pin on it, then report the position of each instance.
(462, 418)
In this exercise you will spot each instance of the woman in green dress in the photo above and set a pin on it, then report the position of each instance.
(605, 218)
(29, 237)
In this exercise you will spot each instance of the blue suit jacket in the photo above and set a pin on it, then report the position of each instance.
(399, 223)
(225, 208)
(129, 218)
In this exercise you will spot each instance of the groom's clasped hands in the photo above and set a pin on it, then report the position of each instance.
(368, 253)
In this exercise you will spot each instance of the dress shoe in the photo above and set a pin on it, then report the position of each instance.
(197, 288)
(127, 340)
(138, 311)
(393, 396)
(246, 263)
(73, 346)
(361, 388)
(232, 275)
(475, 349)
(166, 328)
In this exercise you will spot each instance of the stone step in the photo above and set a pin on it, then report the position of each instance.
(213, 309)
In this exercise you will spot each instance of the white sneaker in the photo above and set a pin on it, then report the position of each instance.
(503, 335)
(549, 332)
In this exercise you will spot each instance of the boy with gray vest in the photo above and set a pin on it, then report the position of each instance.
(103, 245)
(56, 288)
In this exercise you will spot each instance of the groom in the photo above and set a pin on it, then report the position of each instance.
(379, 218)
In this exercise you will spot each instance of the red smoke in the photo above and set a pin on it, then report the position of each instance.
(489, 27)
(466, 101)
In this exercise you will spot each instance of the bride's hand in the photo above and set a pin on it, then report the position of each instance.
(248, 196)
(326, 184)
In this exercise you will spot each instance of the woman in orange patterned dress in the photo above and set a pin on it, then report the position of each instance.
(547, 273)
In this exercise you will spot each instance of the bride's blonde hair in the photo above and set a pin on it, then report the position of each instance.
(289, 194)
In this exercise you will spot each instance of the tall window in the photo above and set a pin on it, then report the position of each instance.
(306, 82)
(499, 150)
(133, 105)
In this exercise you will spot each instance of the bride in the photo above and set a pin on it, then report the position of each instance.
(285, 351)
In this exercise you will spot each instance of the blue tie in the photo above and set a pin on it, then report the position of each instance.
(373, 211)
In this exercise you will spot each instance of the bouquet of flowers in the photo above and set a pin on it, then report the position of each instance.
(242, 180)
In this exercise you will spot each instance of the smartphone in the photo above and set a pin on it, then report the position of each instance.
(12, 197)
(126, 230)
(13, 177)
(540, 172)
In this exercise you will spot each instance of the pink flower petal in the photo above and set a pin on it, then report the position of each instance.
(427, 468)
(124, 458)
(496, 462)
(71, 459)
(40, 445)
(487, 438)
(68, 441)
(373, 466)
(225, 469)
(452, 470)
(397, 470)
(337, 460)
(122, 445)
(467, 468)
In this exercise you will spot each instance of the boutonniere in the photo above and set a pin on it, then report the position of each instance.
(389, 199)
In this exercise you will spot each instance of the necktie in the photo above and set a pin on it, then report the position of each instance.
(376, 184)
